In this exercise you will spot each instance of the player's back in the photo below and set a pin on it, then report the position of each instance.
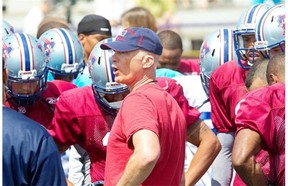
(76, 111)
(31, 156)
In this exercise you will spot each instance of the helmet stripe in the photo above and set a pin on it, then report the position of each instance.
(251, 14)
(67, 44)
(226, 45)
(25, 47)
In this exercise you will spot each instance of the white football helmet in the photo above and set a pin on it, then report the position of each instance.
(103, 83)
(216, 49)
(246, 25)
(64, 52)
(270, 30)
(26, 65)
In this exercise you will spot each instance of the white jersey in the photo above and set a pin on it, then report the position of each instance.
(196, 96)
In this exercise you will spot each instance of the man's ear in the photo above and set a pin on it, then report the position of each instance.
(273, 79)
(148, 61)
(81, 37)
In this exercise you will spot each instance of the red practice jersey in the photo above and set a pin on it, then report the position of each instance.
(226, 88)
(263, 111)
(42, 111)
(79, 120)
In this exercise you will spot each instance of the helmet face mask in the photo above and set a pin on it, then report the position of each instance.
(103, 82)
(246, 26)
(216, 49)
(27, 70)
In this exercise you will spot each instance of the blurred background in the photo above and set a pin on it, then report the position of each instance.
(192, 19)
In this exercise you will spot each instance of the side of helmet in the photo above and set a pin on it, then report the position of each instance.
(63, 51)
(103, 82)
(270, 30)
(25, 61)
(216, 49)
(101, 71)
(7, 29)
(246, 25)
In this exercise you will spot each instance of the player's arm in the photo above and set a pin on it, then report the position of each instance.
(247, 145)
(145, 155)
(208, 145)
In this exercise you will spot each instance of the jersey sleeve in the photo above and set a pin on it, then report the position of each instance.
(64, 128)
(254, 114)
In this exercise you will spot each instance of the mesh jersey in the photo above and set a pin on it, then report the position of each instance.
(42, 111)
(226, 88)
(84, 124)
(263, 111)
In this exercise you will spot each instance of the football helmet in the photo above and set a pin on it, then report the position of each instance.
(103, 83)
(7, 29)
(216, 49)
(26, 68)
(270, 30)
(63, 51)
(246, 25)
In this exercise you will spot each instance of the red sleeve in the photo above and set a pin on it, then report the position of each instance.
(254, 114)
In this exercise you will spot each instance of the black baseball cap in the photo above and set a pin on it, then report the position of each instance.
(94, 24)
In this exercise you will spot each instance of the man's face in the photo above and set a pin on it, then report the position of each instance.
(25, 87)
(248, 42)
(170, 59)
(128, 66)
(89, 41)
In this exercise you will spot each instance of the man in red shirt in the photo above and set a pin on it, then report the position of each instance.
(149, 121)
(262, 127)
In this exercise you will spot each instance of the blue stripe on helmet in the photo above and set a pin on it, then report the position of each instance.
(226, 44)
(26, 51)
(251, 14)
(110, 60)
(68, 42)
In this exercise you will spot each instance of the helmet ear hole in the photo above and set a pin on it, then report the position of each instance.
(213, 52)
(99, 60)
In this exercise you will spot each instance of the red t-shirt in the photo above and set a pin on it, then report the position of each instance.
(152, 108)
(42, 111)
(226, 88)
(79, 120)
(263, 111)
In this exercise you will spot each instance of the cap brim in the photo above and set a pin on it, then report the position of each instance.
(118, 46)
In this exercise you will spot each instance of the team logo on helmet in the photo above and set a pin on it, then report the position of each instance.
(281, 22)
(6, 51)
(205, 50)
(48, 46)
